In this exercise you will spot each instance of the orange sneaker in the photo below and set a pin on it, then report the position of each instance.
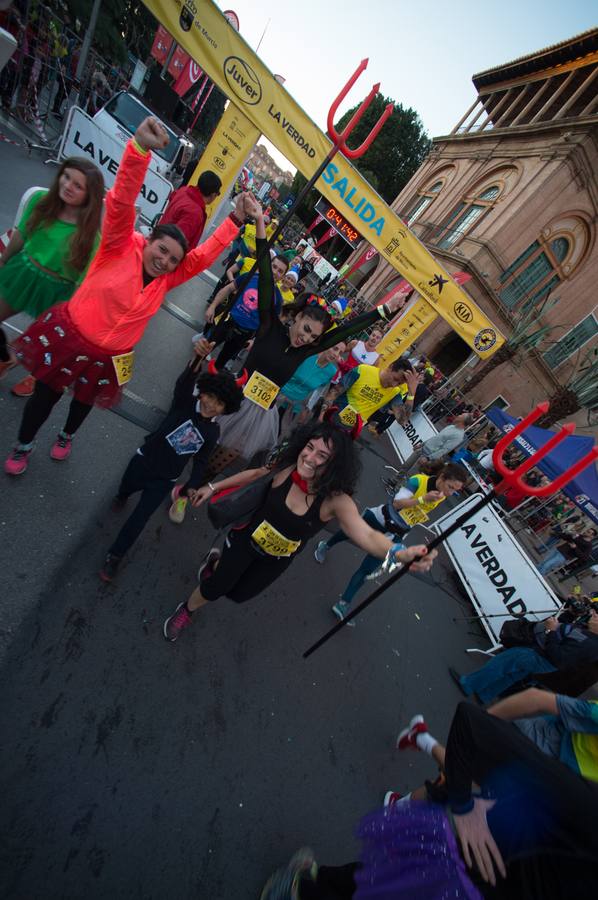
(24, 388)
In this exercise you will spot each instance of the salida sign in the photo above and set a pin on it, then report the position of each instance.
(82, 137)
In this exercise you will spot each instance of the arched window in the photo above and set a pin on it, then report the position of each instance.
(425, 198)
(465, 215)
(548, 261)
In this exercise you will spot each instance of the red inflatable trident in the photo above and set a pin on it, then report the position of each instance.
(339, 141)
(510, 478)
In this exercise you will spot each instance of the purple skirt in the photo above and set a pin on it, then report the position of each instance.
(410, 852)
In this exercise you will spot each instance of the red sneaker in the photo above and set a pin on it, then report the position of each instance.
(18, 461)
(24, 388)
(391, 797)
(61, 449)
(176, 623)
(406, 739)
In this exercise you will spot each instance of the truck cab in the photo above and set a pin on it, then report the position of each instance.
(120, 117)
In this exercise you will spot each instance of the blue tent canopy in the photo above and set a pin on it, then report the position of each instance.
(583, 490)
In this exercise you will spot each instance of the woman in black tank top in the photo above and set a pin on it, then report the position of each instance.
(278, 351)
(313, 480)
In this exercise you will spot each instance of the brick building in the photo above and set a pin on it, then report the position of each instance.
(510, 196)
(264, 168)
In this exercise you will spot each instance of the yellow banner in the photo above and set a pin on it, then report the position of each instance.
(227, 150)
(201, 29)
(417, 316)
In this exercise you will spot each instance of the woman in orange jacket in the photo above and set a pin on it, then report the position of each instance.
(87, 345)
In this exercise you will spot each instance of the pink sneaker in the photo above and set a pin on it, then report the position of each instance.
(406, 739)
(176, 623)
(18, 461)
(61, 449)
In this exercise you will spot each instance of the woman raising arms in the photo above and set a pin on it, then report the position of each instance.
(312, 484)
(88, 344)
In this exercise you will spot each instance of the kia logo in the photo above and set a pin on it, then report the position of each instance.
(463, 312)
(242, 80)
(219, 162)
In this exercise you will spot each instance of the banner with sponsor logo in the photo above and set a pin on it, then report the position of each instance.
(188, 77)
(369, 254)
(227, 150)
(82, 137)
(325, 237)
(162, 44)
(199, 26)
(496, 573)
(413, 321)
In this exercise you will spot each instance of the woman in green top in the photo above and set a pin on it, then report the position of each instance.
(51, 247)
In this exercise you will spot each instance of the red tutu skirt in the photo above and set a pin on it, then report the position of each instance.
(58, 355)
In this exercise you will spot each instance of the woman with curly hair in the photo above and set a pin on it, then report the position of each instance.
(313, 480)
(50, 249)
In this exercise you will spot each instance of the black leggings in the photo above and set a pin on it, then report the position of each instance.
(4, 354)
(40, 405)
(544, 807)
(243, 572)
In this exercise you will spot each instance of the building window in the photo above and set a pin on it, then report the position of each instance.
(424, 200)
(535, 272)
(464, 217)
(498, 401)
(583, 332)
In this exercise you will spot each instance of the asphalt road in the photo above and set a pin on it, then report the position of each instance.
(135, 768)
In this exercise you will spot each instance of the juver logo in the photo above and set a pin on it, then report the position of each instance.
(242, 80)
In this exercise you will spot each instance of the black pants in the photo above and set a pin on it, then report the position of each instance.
(243, 572)
(154, 490)
(332, 883)
(545, 811)
(232, 338)
(40, 405)
(4, 354)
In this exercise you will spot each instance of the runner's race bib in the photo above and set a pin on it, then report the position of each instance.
(348, 416)
(123, 366)
(414, 515)
(261, 390)
(273, 542)
(186, 439)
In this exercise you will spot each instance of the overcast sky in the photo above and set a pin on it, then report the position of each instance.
(423, 53)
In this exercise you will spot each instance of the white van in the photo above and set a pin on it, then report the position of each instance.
(120, 117)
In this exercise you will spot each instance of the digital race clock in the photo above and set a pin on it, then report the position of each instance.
(331, 215)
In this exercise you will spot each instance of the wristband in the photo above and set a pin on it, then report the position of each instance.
(138, 147)
(421, 501)
(236, 220)
(410, 397)
(211, 487)
(383, 312)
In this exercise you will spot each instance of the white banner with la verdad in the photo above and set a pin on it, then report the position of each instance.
(415, 431)
(82, 137)
(498, 576)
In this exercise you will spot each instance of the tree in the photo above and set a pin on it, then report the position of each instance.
(391, 161)
(210, 115)
(123, 25)
(581, 392)
(398, 151)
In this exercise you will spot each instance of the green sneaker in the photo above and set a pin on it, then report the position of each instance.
(178, 508)
(285, 883)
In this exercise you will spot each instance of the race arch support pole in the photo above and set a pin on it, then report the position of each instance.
(511, 478)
